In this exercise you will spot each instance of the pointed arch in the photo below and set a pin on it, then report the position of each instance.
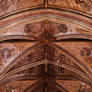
(18, 78)
(74, 36)
(14, 37)
(18, 57)
(75, 59)
(6, 76)
(73, 70)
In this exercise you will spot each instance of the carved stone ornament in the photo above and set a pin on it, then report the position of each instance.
(6, 53)
(62, 28)
(31, 70)
(28, 28)
(62, 58)
(85, 52)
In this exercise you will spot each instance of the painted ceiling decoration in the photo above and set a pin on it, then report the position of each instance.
(45, 45)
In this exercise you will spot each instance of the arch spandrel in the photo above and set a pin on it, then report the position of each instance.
(9, 51)
(83, 51)
(84, 6)
(9, 6)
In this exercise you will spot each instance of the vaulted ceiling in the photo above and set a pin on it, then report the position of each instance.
(45, 45)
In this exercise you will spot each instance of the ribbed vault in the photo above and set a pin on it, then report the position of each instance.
(45, 46)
